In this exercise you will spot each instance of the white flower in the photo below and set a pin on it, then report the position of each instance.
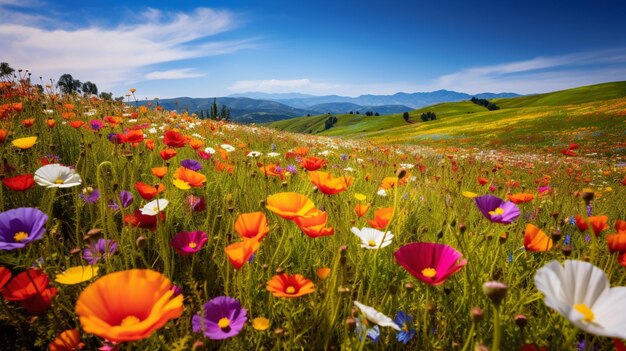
(254, 154)
(325, 153)
(125, 114)
(152, 131)
(581, 293)
(228, 147)
(372, 238)
(407, 165)
(381, 192)
(197, 136)
(57, 176)
(48, 111)
(132, 120)
(209, 150)
(349, 169)
(273, 154)
(376, 317)
(153, 207)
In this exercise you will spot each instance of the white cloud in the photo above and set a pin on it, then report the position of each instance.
(121, 54)
(174, 74)
(303, 85)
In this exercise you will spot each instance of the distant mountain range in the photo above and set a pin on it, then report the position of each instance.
(256, 107)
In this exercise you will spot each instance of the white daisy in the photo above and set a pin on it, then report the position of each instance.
(209, 150)
(228, 147)
(273, 154)
(57, 176)
(372, 238)
(153, 207)
(381, 192)
(407, 165)
(376, 317)
(581, 293)
(254, 154)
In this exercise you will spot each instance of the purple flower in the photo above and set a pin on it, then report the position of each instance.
(101, 249)
(191, 164)
(90, 197)
(404, 321)
(126, 199)
(344, 157)
(589, 210)
(221, 318)
(20, 226)
(362, 329)
(187, 243)
(96, 124)
(177, 290)
(291, 169)
(114, 138)
(497, 210)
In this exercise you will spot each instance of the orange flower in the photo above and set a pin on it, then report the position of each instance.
(224, 167)
(290, 205)
(312, 163)
(28, 122)
(68, 107)
(167, 154)
(271, 171)
(382, 216)
(190, 177)
(315, 225)
(361, 209)
(598, 223)
(239, 253)
(520, 198)
(328, 184)
(132, 136)
(147, 191)
(4, 132)
(322, 272)
(113, 120)
(149, 144)
(535, 239)
(159, 172)
(174, 139)
(196, 143)
(482, 181)
(388, 182)
(252, 225)
(51, 122)
(66, 341)
(289, 286)
(128, 305)
(77, 124)
(617, 242)
(581, 223)
(300, 151)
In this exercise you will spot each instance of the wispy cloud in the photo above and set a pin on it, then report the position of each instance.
(174, 74)
(123, 53)
(303, 85)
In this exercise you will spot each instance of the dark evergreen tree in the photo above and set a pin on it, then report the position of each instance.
(68, 84)
(406, 116)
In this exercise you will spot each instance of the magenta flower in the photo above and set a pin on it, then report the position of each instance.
(221, 318)
(187, 243)
(96, 124)
(430, 262)
(497, 210)
(21, 226)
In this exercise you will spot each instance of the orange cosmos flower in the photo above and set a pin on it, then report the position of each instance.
(314, 226)
(382, 216)
(66, 341)
(328, 184)
(167, 154)
(128, 305)
(147, 191)
(520, 198)
(289, 286)
(159, 172)
(28, 122)
(535, 239)
(252, 225)
(312, 163)
(290, 205)
(361, 209)
(68, 107)
(149, 144)
(239, 253)
(598, 223)
(190, 177)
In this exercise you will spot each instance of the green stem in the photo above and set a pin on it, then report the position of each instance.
(469, 338)
(497, 330)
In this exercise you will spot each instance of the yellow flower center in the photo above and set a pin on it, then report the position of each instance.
(223, 323)
(371, 243)
(587, 313)
(19, 236)
(497, 211)
(192, 245)
(429, 272)
(155, 209)
(129, 320)
(59, 181)
(290, 290)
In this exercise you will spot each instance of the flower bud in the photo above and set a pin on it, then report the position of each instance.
(477, 314)
(496, 291)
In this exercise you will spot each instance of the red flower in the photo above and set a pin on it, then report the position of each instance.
(312, 163)
(142, 221)
(174, 139)
(167, 154)
(19, 183)
(482, 181)
(568, 152)
(147, 191)
(31, 289)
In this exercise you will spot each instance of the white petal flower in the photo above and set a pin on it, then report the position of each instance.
(581, 293)
(381, 192)
(152, 131)
(228, 147)
(373, 238)
(254, 154)
(209, 150)
(273, 154)
(57, 176)
(407, 165)
(153, 207)
(376, 317)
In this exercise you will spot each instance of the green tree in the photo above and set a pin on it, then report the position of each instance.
(106, 96)
(214, 109)
(90, 88)
(224, 114)
(68, 84)
(406, 116)
(5, 70)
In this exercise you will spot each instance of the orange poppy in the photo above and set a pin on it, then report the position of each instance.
(536, 240)
(19, 183)
(289, 286)
(68, 115)
(581, 223)
(128, 305)
(482, 181)
(147, 191)
(382, 216)
(272, 170)
(167, 154)
(28, 122)
(314, 226)
(322, 272)
(328, 184)
(3, 135)
(520, 198)
(239, 253)
(361, 209)
(113, 120)
(132, 137)
(617, 242)
(76, 124)
(312, 163)
(388, 182)
(173, 138)
(290, 205)
(190, 177)
(139, 220)
(598, 223)
(51, 122)
(159, 172)
(149, 144)
(68, 107)
(66, 341)
(196, 143)
(224, 167)
(252, 225)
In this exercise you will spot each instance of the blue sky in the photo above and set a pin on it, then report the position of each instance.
(217, 48)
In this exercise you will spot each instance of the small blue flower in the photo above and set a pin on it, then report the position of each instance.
(510, 258)
(406, 333)
(344, 157)
(568, 239)
(587, 238)
(589, 210)
(572, 220)
(372, 333)
(273, 147)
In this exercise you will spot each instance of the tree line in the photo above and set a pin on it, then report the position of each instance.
(485, 103)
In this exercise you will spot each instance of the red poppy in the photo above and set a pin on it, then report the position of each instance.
(4, 132)
(149, 144)
(482, 181)
(28, 122)
(140, 220)
(598, 223)
(147, 191)
(39, 303)
(19, 183)
(174, 139)
(568, 152)
(581, 223)
(5, 276)
(382, 216)
(132, 136)
(167, 154)
(25, 285)
(113, 120)
(312, 163)
(77, 124)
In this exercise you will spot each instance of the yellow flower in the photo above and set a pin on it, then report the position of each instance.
(359, 196)
(181, 184)
(260, 323)
(469, 194)
(77, 275)
(25, 143)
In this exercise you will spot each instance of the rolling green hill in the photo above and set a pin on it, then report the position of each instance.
(595, 113)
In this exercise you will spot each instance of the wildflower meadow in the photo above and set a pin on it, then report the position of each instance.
(130, 227)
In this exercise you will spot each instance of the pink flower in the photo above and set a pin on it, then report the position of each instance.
(430, 262)
(187, 243)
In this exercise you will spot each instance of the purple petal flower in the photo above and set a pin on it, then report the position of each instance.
(496, 209)
(96, 124)
(92, 197)
(126, 199)
(20, 226)
(100, 249)
(221, 318)
(187, 243)
(191, 164)
(291, 169)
